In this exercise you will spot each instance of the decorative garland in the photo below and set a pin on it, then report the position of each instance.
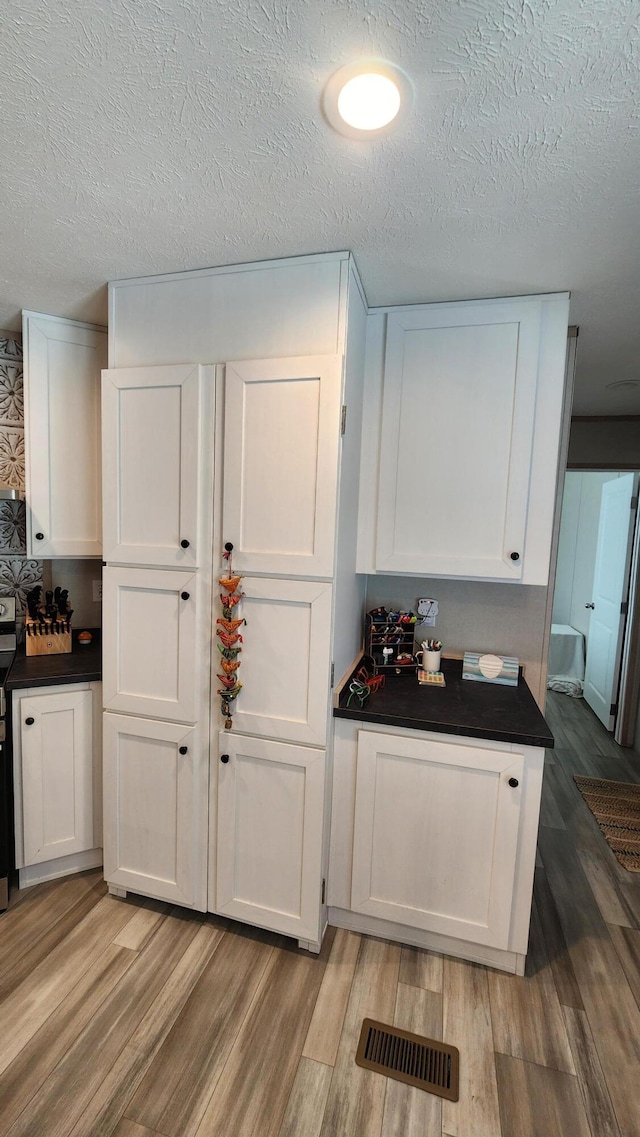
(230, 639)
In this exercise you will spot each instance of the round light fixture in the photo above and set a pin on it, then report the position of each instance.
(367, 99)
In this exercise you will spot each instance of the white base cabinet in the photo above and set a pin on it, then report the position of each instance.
(269, 835)
(57, 784)
(435, 835)
(433, 840)
(155, 809)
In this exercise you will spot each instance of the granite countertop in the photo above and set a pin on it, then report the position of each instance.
(463, 707)
(80, 665)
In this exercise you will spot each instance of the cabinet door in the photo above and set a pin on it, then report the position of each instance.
(285, 660)
(150, 646)
(150, 433)
(155, 809)
(436, 830)
(456, 439)
(281, 440)
(269, 838)
(57, 774)
(62, 365)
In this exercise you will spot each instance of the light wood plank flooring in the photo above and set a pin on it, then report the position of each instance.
(133, 1019)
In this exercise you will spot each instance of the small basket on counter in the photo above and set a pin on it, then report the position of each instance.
(388, 641)
(47, 626)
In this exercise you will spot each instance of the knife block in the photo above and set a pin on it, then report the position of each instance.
(40, 639)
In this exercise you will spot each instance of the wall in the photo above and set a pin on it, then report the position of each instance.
(476, 616)
(577, 547)
(601, 444)
(18, 573)
(78, 577)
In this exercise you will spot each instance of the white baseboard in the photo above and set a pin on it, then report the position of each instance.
(62, 866)
(414, 937)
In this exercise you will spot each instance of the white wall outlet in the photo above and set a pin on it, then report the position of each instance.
(97, 590)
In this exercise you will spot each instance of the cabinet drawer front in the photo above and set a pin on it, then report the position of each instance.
(57, 775)
(155, 809)
(63, 361)
(269, 841)
(436, 832)
(285, 660)
(150, 645)
(281, 442)
(151, 431)
(456, 440)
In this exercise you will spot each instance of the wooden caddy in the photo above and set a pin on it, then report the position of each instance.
(41, 639)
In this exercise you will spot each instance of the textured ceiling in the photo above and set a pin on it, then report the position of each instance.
(143, 136)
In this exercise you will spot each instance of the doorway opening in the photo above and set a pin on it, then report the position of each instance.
(596, 615)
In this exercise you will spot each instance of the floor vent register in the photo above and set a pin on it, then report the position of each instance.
(410, 1058)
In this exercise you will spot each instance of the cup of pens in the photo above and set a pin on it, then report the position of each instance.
(429, 655)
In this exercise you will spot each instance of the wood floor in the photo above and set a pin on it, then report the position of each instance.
(132, 1019)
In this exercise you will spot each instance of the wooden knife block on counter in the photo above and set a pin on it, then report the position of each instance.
(47, 643)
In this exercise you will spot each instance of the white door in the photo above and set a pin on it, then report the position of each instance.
(281, 443)
(151, 427)
(57, 774)
(155, 809)
(62, 364)
(150, 647)
(285, 660)
(451, 869)
(456, 440)
(269, 836)
(610, 588)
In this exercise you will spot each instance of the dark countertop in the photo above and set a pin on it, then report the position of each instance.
(80, 665)
(463, 707)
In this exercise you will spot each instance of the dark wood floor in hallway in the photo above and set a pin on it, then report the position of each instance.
(131, 1019)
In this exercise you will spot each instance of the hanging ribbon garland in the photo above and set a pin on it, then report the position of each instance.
(230, 646)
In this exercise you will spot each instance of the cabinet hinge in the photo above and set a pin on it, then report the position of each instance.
(613, 709)
(633, 504)
(624, 608)
(343, 419)
(333, 674)
(324, 889)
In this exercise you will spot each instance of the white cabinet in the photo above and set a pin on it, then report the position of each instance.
(56, 778)
(62, 364)
(285, 660)
(460, 440)
(155, 809)
(436, 835)
(150, 642)
(152, 418)
(281, 446)
(269, 834)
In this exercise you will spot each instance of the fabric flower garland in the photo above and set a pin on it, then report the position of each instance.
(230, 645)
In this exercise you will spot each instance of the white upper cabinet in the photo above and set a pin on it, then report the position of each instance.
(150, 643)
(62, 364)
(462, 458)
(152, 418)
(281, 445)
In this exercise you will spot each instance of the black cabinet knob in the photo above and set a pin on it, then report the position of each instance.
(224, 758)
(184, 595)
(515, 556)
(184, 544)
(39, 536)
(182, 749)
(513, 782)
(228, 547)
(29, 722)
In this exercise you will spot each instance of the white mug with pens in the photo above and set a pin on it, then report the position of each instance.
(429, 655)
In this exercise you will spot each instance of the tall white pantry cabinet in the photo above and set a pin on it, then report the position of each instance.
(223, 421)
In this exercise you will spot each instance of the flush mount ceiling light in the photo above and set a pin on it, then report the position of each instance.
(367, 99)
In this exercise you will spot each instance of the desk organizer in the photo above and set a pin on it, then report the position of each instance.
(395, 634)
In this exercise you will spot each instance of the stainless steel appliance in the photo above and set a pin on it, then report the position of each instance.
(7, 653)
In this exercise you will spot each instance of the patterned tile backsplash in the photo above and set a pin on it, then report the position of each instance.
(18, 574)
